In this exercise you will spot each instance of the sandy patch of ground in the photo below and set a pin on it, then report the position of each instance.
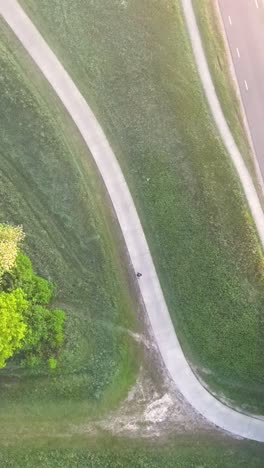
(153, 407)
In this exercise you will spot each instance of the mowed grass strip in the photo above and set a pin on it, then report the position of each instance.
(185, 451)
(49, 184)
(133, 63)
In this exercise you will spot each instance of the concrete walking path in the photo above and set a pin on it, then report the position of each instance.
(245, 52)
(217, 113)
(170, 349)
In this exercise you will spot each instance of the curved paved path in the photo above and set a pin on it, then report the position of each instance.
(217, 113)
(247, 57)
(178, 367)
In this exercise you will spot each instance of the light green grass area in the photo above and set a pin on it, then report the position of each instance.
(213, 42)
(183, 452)
(132, 61)
(49, 184)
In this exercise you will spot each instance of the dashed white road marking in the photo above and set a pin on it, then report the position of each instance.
(246, 85)
(230, 21)
(238, 53)
(256, 3)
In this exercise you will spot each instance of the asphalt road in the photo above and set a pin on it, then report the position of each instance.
(141, 260)
(244, 25)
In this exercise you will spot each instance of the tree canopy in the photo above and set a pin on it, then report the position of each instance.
(12, 325)
(10, 237)
(27, 324)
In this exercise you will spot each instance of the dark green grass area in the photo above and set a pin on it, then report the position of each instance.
(184, 452)
(213, 42)
(49, 185)
(132, 61)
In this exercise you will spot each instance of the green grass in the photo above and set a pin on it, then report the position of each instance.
(215, 49)
(183, 452)
(49, 184)
(133, 63)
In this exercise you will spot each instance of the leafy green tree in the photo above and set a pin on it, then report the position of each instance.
(37, 289)
(44, 329)
(32, 327)
(10, 237)
(41, 290)
(52, 363)
(12, 325)
(56, 323)
(37, 328)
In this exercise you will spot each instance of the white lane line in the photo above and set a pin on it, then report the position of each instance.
(246, 85)
(238, 53)
(230, 21)
(256, 3)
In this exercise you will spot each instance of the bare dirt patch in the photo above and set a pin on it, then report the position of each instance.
(153, 407)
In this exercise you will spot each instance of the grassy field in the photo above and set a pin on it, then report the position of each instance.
(49, 185)
(133, 62)
(214, 45)
(184, 452)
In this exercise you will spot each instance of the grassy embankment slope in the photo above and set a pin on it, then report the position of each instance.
(133, 63)
(214, 45)
(49, 184)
